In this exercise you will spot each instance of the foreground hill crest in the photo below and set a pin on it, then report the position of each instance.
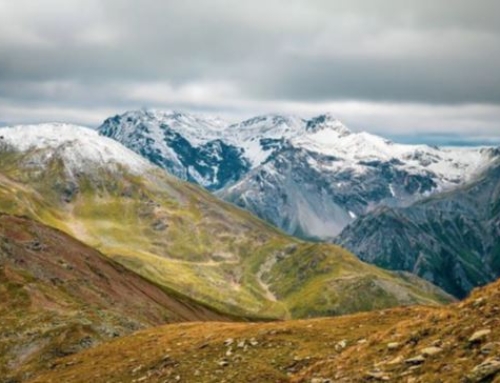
(456, 343)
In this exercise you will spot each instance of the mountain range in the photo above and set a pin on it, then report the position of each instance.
(451, 239)
(181, 237)
(309, 177)
(401, 207)
(99, 242)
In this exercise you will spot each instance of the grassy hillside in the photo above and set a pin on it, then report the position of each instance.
(181, 237)
(58, 296)
(456, 343)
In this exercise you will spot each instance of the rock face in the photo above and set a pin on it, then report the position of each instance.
(308, 177)
(451, 239)
(187, 146)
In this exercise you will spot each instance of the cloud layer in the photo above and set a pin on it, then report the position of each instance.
(394, 67)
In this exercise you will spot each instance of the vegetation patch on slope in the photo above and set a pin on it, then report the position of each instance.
(58, 296)
(181, 237)
(418, 344)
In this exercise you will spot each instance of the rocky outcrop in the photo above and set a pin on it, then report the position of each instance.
(451, 239)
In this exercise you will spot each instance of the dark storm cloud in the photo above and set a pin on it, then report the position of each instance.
(91, 57)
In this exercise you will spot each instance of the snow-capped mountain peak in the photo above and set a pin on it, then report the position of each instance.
(192, 147)
(327, 122)
(194, 128)
(268, 126)
(81, 149)
(311, 177)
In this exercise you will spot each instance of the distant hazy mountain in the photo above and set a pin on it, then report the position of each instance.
(308, 177)
(451, 239)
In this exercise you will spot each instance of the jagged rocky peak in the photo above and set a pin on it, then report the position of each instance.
(327, 122)
(271, 119)
(165, 119)
(451, 239)
(192, 147)
(266, 126)
(492, 152)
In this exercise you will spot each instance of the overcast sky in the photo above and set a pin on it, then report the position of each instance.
(401, 68)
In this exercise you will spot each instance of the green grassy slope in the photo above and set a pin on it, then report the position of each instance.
(183, 238)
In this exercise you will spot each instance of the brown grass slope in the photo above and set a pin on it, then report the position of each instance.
(456, 343)
(59, 296)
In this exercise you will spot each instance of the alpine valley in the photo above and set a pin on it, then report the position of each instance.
(180, 236)
(100, 240)
(428, 210)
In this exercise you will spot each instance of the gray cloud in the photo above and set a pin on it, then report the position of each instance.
(64, 58)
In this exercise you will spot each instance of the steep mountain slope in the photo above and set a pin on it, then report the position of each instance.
(457, 343)
(451, 239)
(182, 237)
(59, 296)
(189, 147)
(308, 177)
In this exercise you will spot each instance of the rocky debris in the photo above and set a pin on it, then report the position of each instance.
(393, 346)
(320, 380)
(479, 336)
(66, 265)
(228, 342)
(159, 225)
(488, 348)
(437, 343)
(430, 351)
(137, 369)
(298, 364)
(419, 359)
(223, 363)
(341, 345)
(35, 245)
(377, 375)
(398, 359)
(478, 302)
(485, 371)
